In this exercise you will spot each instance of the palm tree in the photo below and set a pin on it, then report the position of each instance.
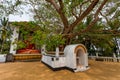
(4, 33)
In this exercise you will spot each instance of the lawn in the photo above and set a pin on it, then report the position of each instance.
(39, 71)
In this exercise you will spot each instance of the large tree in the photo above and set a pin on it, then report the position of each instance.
(66, 14)
(104, 33)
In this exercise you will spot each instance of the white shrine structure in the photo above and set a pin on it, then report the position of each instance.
(75, 58)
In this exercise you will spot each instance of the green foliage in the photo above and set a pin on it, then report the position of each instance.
(18, 2)
(117, 14)
(39, 38)
(114, 24)
(104, 42)
(26, 29)
(55, 41)
(112, 10)
(5, 34)
(20, 44)
(6, 47)
(72, 3)
(25, 25)
(51, 41)
(97, 37)
(4, 21)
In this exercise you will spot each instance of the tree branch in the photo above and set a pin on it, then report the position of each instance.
(88, 27)
(91, 24)
(74, 14)
(61, 4)
(95, 20)
(60, 11)
(84, 14)
(82, 5)
(54, 4)
(96, 16)
(104, 17)
(105, 32)
(100, 8)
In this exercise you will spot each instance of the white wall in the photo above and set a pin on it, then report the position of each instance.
(13, 39)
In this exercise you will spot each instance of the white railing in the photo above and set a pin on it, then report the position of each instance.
(106, 59)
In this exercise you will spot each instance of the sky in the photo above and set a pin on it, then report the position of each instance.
(24, 17)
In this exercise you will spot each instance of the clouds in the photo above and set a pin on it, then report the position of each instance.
(26, 15)
(23, 17)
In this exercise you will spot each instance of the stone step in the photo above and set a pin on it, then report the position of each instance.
(27, 57)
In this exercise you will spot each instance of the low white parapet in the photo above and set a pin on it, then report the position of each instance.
(2, 57)
(53, 61)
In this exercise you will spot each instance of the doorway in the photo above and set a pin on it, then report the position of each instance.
(80, 58)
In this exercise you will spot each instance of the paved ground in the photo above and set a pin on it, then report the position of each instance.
(38, 71)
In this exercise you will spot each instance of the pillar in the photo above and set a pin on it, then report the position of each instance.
(14, 38)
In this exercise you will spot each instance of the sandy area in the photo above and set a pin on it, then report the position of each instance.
(38, 71)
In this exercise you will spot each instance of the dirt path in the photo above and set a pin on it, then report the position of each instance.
(38, 71)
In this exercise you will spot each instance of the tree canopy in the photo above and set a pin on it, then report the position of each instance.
(8, 7)
(65, 15)
(94, 21)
